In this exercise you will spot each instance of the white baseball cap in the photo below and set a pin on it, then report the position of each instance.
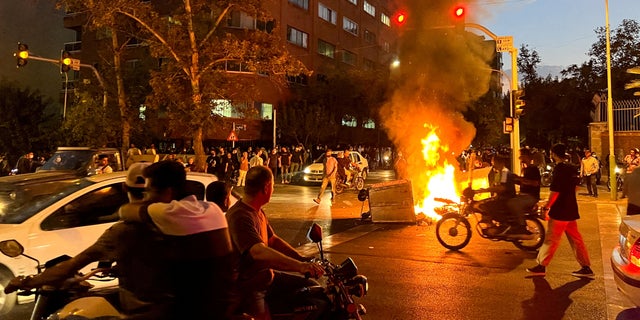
(135, 179)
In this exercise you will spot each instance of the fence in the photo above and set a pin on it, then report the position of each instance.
(626, 114)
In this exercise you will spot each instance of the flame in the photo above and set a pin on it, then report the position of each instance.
(441, 178)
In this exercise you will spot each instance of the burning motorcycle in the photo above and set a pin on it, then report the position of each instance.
(453, 230)
(340, 284)
(75, 298)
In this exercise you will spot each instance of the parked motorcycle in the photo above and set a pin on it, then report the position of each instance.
(619, 179)
(453, 230)
(357, 182)
(546, 174)
(75, 298)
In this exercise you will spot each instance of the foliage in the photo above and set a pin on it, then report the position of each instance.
(88, 124)
(26, 125)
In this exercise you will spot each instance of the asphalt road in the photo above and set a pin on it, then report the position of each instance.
(412, 277)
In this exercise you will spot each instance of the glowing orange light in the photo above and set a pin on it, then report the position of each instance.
(459, 12)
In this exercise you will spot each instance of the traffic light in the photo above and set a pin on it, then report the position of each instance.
(65, 61)
(22, 55)
(400, 18)
(459, 12)
(518, 102)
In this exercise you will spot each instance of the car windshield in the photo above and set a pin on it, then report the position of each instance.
(20, 201)
(69, 160)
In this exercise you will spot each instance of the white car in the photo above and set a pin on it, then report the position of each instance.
(314, 172)
(625, 259)
(52, 216)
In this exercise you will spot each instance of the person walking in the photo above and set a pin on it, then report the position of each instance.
(589, 167)
(330, 173)
(563, 216)
(631, 187)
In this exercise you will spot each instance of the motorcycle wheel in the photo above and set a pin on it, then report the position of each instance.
(7, 301)
(453, 231)
(545, 180)
(339, 187)
(359, 183)
(534, 226)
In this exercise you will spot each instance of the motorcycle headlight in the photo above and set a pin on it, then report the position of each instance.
(548, 167)
(358, 286)
(617, 170)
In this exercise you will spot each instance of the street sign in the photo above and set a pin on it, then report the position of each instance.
(504, 44)
(232, 136)
(75, 64)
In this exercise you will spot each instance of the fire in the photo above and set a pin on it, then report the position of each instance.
(438, 178)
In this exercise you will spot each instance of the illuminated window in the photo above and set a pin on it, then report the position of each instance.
(349, 26)
(297, 37)
(326, 49)
(370, 9)
(266, 111)
(348, 57)
(369, 124)
(238, 19)
(349, 121)
(327, 14)
(223, 108)
(353, 2)
(385, 19)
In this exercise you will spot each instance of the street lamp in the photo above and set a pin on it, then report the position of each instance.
(612, 157)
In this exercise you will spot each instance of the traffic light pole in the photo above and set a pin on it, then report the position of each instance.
(515, 134)
(95, 72)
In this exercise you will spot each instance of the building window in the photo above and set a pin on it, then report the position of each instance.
(385, 19)
(266, 111)
(302, 80)
(349, 121)
(349, 26)
(304, 4)
(327, 14)
(326, 49)
(355, 2)
(386, 46)
(223, 108)
(349, 57)
(369, 36)
(369, 124)
(297, 37)
(370, 9)
(239, 19)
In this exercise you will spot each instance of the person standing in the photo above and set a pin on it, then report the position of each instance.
(25, 163)
(563, 216)
(589, 167)
(244, 167)
(631, 161)
(330, 173)
(285, 164)
(273, 162)
(297, 159)
(256, 160)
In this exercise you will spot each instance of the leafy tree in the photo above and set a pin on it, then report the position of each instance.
(187, 39)
(88, 124)
(528, 61)
(26, 124)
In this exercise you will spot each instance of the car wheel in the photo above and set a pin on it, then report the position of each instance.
(7, 301)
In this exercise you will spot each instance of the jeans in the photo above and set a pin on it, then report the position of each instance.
(519, 205)
(331, 179)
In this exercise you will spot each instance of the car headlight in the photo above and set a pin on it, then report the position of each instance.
(306, 170)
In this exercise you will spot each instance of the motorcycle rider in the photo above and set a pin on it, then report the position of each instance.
(344, 164)
(502, 186)
(264, 259)
(529, 193)
(140, 255)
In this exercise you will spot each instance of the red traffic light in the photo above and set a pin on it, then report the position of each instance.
(459, 12)
(400, 18)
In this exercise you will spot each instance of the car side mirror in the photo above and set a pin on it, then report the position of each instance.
(11, 248)
(315, 233)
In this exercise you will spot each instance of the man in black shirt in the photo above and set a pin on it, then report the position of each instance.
(563, 216)
(529, 193)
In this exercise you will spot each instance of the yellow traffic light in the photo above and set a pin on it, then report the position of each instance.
(22, 55)
(518, 102)
(65, 61)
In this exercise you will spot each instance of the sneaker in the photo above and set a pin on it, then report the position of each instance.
(538, 270)
(316, 200)
(585, 272)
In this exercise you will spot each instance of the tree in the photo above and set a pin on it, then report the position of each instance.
(26, 125)
(195, 51)
(528, 61)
